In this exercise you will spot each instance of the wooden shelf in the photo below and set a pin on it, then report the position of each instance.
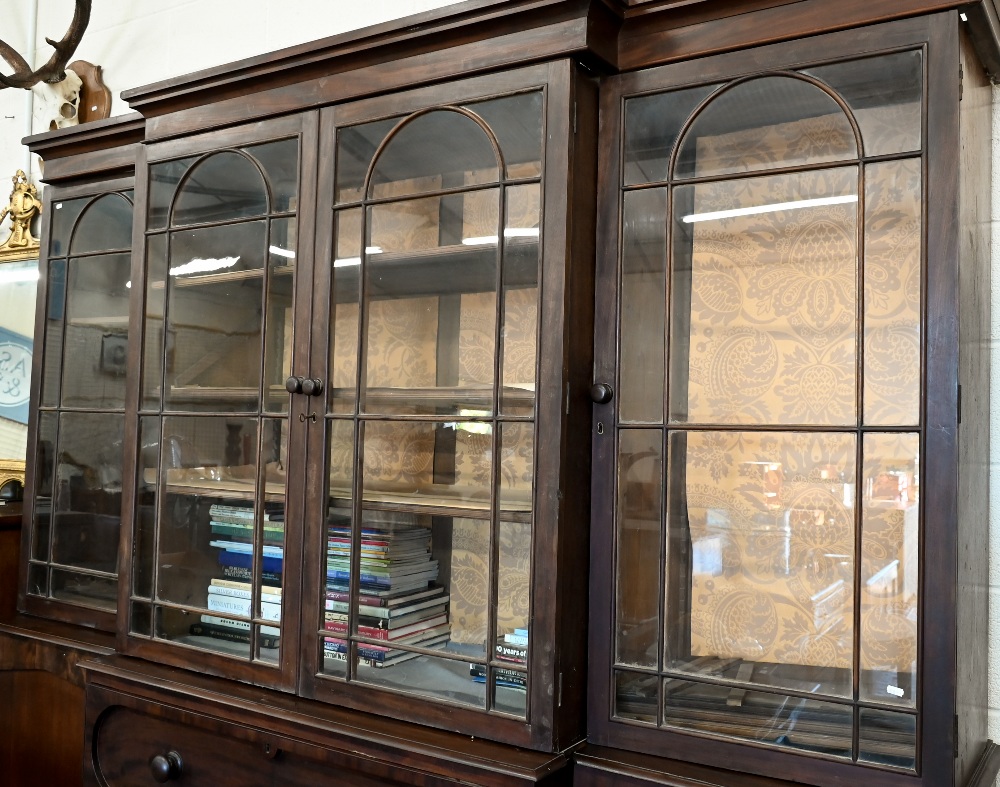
(441, 271)
(223, 277)
(435, 500)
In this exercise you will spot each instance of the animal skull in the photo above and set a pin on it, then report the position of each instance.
(60, 102)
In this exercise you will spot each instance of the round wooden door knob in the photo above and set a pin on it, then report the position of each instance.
(167, 767)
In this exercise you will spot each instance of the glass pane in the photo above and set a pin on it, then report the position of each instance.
(417, 360)
(163, 180)
(643, 305)
(106, 225)
(764, 522)
(786, 722)
(890, 568)
(155, 356)
(885, 94)
(635, 696)
(765, 304)
(214, 307)
(38, 580)
(766, 123)
(402, 466)
(280, 161)
(344, 303)
(893, 234)
(145, 507)
(426, 676)
(520, 299)
(517, 123)
(208, 467)
(466, 566)
(517, 470)
(887, 738)
(278, 330)
(96, 352)
(431, 151)
(340, 439)
(652, 124)
(54, 327)
(356, 146)
(513, 602)
(45, 453)
(510, 688)
(18, 295)
(64, 215)
(87, 498)
(141, 620)
(223, 186)
(640, 511)
(86, 589)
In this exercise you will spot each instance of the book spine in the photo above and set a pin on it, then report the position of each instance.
(367, 601)
(243, 573)
(224, 590)
(340, 627)
(241, 606)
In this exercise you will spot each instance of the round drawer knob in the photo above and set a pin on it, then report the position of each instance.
(601, 393)
(312, 386)
(167, 767)
(294, 384)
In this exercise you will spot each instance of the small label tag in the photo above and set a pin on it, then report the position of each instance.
(58, 206)
(895, 691)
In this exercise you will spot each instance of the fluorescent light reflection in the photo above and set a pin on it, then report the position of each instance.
(204, 266)
(772, 208)
(347, 262)
(510, 232)
(280, 252)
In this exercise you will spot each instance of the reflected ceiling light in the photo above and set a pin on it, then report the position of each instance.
(510, 232)
(128, 285)
(282, 252)
(776, 206)
(963, 17)
(18, 275)
(204, 266)
(347, 262)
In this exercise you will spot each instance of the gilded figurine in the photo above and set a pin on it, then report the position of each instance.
(24, 206)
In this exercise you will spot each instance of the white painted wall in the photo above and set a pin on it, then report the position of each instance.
(140, 42)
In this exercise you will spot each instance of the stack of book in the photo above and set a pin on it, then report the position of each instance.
(231, 593)
(514, 651)
(397, 604)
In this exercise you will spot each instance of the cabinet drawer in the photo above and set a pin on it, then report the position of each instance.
(129, 746)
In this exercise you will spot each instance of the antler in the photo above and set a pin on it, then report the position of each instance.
(54, 70)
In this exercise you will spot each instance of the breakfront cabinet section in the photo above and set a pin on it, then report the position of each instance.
(347, 460)
(776, 479)
(70, 537)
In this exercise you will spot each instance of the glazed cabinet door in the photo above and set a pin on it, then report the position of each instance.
(73, 511)
(432, 573)
(217, 478)
(763, 506)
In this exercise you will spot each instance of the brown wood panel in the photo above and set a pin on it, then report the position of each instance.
(595, 766)
(381, 747)
(10, 551)
(974, 377)
(41, 729)
(939, 453)
(462, 59)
